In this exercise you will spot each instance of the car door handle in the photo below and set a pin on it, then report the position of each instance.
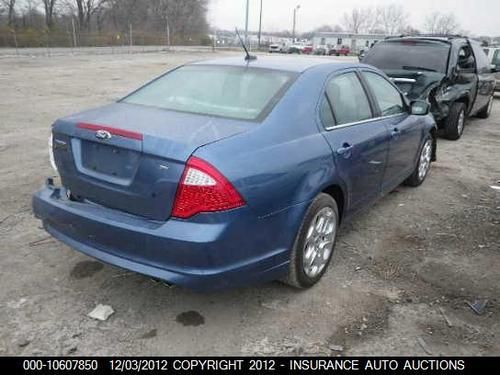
(395, 133)
(345, 150)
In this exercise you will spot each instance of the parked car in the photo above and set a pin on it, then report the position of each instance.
(277, 48)
(295, 48)
(340, 51)
(307, 49)
(493, 54)
(321, 50)
(233, 171)
(452, 73)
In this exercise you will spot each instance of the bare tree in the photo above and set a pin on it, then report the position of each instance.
(358, 20)
(152, 21)
(391, 18)
(337, 29)
(10, 6)
(410, 30)
(49, 6)
(85, 11)
(440, 23)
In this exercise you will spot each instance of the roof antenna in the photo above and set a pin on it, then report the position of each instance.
(248, 57)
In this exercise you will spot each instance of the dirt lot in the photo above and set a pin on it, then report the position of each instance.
(400, 278)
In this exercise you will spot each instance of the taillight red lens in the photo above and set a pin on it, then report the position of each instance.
(204, 189)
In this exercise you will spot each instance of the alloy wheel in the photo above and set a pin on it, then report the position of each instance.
(319, 242)
(425, 160)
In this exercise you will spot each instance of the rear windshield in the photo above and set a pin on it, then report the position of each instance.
(235, 92)
(409, 55)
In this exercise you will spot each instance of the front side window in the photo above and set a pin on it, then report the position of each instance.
(226, 91)
(348, 98)
(466, 58)
(387, 96)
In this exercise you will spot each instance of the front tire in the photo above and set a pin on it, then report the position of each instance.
(423, 166)
(486, 111)
(314, 244)
(455, 122)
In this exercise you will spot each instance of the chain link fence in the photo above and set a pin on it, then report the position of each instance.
(34, 41)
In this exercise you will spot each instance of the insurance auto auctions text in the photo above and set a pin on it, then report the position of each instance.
(316, 364)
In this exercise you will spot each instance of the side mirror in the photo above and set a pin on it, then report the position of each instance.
(420, 108)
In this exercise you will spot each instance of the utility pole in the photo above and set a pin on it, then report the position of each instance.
(246, 22)
(74, 31)
(260, 22)
(295, 10)
(130, 37)
(168, 33)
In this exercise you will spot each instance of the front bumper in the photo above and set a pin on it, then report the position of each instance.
(213, 251)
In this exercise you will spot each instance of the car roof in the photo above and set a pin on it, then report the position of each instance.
(296, 64)
(424, 38)
(449, 39)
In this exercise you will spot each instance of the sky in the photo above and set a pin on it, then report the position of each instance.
(478, 17)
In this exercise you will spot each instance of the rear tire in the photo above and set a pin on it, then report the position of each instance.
(455, 122)
(423, 166)
(314, 244)
(486, 111)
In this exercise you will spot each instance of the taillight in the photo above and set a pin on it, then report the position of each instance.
(51, 153)
(204, 189)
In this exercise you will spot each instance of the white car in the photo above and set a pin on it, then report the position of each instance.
(493, 54)
(276, 48)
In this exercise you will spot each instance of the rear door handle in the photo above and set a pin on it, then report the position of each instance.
(395, 133)
(345, 150)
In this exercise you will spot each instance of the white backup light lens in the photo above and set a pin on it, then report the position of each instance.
(194, 177)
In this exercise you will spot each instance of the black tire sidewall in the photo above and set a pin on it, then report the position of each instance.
(322, 201)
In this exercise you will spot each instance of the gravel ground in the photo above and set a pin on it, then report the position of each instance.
(400, 279)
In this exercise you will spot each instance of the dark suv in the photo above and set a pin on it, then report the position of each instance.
(451, 72)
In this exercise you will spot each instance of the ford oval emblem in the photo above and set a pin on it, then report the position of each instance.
(103, 134)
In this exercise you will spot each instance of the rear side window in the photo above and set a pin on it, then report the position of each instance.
(326, 114)
(348, 98)
(226, 91)
(387, 96)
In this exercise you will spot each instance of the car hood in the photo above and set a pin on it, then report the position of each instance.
(416, 84)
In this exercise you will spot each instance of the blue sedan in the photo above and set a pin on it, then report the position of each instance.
(230, 172)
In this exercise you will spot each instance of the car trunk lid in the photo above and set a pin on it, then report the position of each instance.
(131, 157)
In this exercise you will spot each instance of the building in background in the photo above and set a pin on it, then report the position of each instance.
(356, 42)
